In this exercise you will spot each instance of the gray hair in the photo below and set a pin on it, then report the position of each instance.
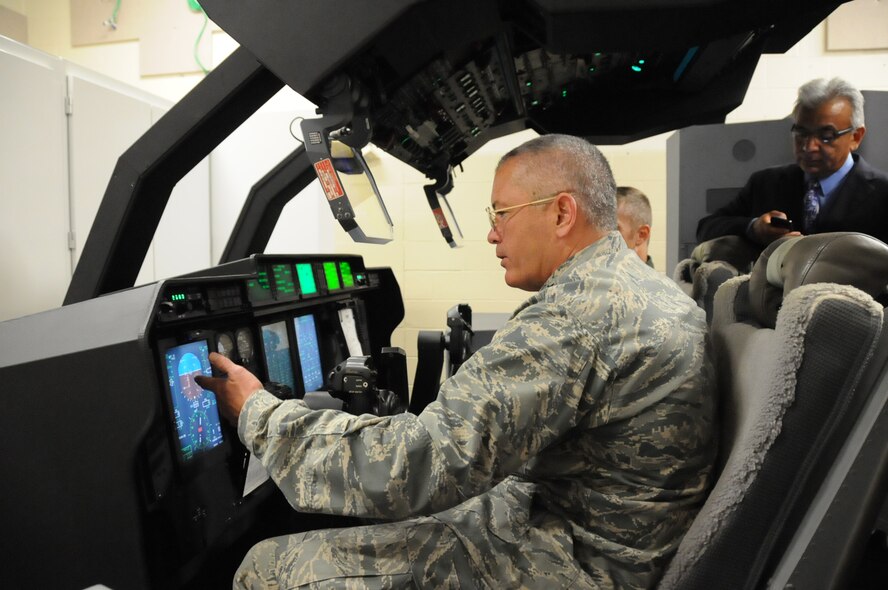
(816, 92)
(571, 164)
(635, 205)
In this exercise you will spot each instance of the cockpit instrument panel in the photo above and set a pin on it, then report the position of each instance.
(165, 479)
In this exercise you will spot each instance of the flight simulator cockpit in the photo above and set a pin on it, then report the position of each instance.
(130, 472)
(117, 467)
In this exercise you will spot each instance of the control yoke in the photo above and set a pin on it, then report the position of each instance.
(457, 342)
(365, 389)
(442, 186)
(333, 144)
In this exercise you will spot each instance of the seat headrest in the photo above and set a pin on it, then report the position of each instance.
(735, 250)
(845, 258)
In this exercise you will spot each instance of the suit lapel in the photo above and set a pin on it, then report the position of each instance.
(849, 196)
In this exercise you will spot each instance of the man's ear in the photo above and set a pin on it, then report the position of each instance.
(643, 234)
(857, 137)
(567, 214)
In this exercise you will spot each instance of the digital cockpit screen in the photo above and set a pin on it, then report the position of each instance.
(345, 270)
(277, 353)
(309, 352)
(331, 276)
(284, 285)
(305, 275)
(194, 409)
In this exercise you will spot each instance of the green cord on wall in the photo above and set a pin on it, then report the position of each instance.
(196, 7)
(112, 21)
(197, 42)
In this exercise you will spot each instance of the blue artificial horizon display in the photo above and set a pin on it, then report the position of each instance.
(194, 409)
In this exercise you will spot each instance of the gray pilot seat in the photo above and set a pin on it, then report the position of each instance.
(791, 342)
(712, 263)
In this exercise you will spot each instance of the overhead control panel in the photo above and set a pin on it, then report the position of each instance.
(442, 78)
(438, 117)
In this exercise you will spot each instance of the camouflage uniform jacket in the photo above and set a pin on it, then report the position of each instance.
(573, 450)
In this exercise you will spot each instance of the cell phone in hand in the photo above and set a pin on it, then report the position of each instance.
(781, 223)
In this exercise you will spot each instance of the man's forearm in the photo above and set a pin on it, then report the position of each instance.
(333, 462)
(716, 226)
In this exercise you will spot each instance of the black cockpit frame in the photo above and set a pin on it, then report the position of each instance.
(498, 66)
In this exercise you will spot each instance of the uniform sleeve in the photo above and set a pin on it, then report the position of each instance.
(510, 400)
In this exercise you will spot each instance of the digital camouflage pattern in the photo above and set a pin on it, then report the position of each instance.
(572, 451)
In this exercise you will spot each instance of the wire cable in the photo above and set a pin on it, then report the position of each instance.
(197, 42)
(295, 136)
(112, 21)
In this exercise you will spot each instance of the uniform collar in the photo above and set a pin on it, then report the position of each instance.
(610, 244)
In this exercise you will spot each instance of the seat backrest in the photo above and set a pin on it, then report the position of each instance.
(790, 345)
(840, 542)
(712, 263)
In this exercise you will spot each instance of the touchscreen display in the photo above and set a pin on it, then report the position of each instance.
(194, 409)
(309, 352)
(277, 353)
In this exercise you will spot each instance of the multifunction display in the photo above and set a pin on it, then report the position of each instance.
(194, 409)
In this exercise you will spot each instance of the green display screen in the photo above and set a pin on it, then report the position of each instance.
(332, 276)
(260, 289)
(283, 281)
(305, 274)
(346, 270)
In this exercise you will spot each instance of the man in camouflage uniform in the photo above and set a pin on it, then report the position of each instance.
(573, 451)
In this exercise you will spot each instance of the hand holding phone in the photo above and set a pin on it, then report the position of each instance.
(782, 223)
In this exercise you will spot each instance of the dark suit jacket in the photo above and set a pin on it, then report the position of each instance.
(859, 204)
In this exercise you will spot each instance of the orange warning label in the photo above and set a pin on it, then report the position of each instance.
(439, 217)
(329, 180)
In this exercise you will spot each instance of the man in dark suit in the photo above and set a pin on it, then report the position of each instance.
(827, 189)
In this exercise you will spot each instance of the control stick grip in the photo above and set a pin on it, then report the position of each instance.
(393, 373)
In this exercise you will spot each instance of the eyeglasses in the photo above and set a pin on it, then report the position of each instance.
(824, 135)
(497, 215)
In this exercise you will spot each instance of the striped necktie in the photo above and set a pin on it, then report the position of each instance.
(812, 205)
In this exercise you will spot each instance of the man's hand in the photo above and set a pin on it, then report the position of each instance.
(764, 233)
(232, 390)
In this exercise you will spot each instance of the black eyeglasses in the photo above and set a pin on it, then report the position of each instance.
(825, 135)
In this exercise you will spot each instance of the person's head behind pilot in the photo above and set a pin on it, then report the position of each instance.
(634, 220)
(552, 196)
(828, 125)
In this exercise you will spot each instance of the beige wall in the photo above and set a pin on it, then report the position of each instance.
(432, 276)
(49, 30)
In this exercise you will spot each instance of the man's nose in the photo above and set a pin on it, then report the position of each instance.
(809, 143)
(492, 236)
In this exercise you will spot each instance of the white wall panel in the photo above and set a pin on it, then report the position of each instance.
(55, 168)
(247, 155)
(104, 123)
(182, 241)
(34, 261)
